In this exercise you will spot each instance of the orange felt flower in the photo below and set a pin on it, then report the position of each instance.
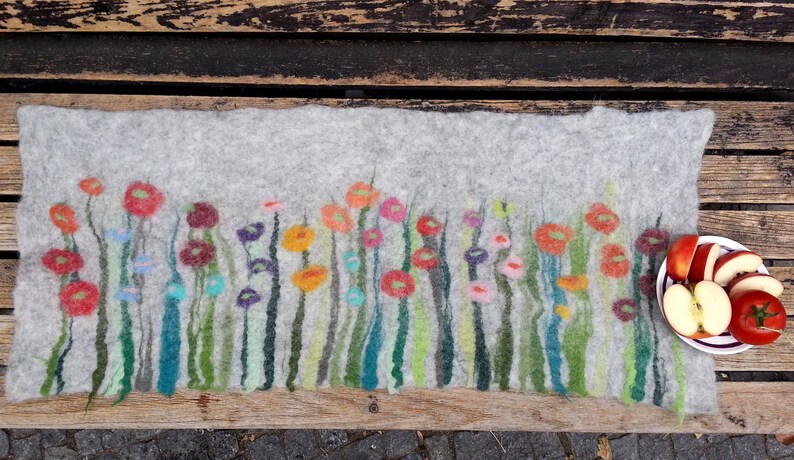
(614, 262)
(91, 186)
(602, 219)
(336, 218)
(298, 238)
(62, 216)
(360, 195)
(310, 278)
(553, 238)
(573, 283)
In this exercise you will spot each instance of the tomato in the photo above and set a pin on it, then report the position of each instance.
(754, 314)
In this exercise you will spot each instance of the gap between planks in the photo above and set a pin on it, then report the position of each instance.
(739, 125)
(691, 19)
(744, 407)
(757, 179)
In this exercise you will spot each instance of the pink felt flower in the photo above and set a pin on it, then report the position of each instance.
(481, 292)
(512, 267)
(472, 218)
(500, 241)
(372, 238)
(393, 209)
(271, 206)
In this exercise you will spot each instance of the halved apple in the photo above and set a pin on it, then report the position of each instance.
(679, 258)
(703, 262)
(697, 311)
(754, 282)
(735, 263)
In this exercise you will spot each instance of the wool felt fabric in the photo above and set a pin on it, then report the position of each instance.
(373, 248)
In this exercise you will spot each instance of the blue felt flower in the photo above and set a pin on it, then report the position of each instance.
(251, 232)
(128, 294)
(215, 285)
(142, 264)
(248, 297)
(119, 235)
(175, 291)
(351, 260)
(354, 297)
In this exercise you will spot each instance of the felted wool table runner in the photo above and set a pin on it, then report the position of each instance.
(373, 248)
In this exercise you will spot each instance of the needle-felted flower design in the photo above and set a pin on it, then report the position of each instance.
(397, 283)
(553, 238)
(248, 297)
(79, 298)
(197, 253)
(425, 259)
(62, 216)
(513, 267)
(393, 209)
(202, 215)
(128, 294)
(624, 310)
(503, 209)
(361, 195)
(336, 218)
(614, 262)
(272, 206)
(310, 278)
(354, 297)
(652, 241)
(500, 241)
(62, 262)
(261, 265)
(481, 292)
(475, 256)
(472, 218)
(298, 238)
(351, 261)
(251, 232)
(142, 199)
(372, 238)
(428, 226)
(118, 235)
(91, 186)
(602, 219)
(142, 264)
(215, 285)
(175, 291)
(573, 283)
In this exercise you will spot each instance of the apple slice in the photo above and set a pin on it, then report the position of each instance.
(703, 263)
(754, 282)
(679, 258)
(735, 263)
(697, 311)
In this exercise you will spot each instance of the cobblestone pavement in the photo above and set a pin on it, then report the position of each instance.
(376, 445)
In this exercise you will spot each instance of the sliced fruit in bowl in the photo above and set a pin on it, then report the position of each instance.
(697, 311)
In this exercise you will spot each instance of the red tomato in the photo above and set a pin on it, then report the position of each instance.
(753, 310)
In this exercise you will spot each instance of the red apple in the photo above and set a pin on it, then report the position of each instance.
(703, 263)
(697, 311)
(735, 263)
(754, 282)
(679, 258)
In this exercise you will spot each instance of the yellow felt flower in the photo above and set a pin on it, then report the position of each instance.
(298, 238)
(563, 311)
(310, 278)
(573, 283)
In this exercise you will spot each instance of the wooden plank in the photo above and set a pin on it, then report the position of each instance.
(766, 232)
(761, 179)
(187, 58)
(7, 323)
(739, 125)
(745, 407)
(651, 18)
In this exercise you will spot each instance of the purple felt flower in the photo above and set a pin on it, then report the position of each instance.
(251, 232)
(475, 255)
(248, 297)
(261, 265)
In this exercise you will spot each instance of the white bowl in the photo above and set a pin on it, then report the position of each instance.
(725, 343)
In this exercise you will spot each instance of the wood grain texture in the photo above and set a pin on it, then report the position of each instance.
(189, 58)
(7, 323)
(739, 125)
(744, 407)
(766, 232)
(652, 18)
(761, 179)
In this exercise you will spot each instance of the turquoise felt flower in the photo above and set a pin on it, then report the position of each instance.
(175, 291)
(354, 297)
(351, 261)
(215, 285)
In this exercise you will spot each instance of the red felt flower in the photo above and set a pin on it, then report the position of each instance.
(397, 283)
(91, 186)
(614, 262)
(79, 298)
(62, 216)
(142, 199)
(428, 226)
(652, 241)
(62, 262)
(202, 215)
(197, 253)
(602, 219)
(553, 238)
(425, 259)
(624, 309)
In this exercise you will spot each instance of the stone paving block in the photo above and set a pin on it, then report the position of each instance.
(476, 444)
(88, 442)
(50, 438)
(689, 455)
(413, 456)
(715, 438)
(626, 447)
(547, 446)
(183, 444)
(516, 444)
(438, 447)
(300, 444)
(224, 444)
(584, 445)
(333, 439)
(4, 446)
(267, 447)
(369, 448)
(776, 449)
(28, 448)
(655, 447)
(146, 450)
(750, 447)
(18, 433)
(61, 453)
(686, 441)
(400, 443)
(108, 456)
(722, 450)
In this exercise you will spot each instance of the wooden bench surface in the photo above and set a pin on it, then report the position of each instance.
(557, 57)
